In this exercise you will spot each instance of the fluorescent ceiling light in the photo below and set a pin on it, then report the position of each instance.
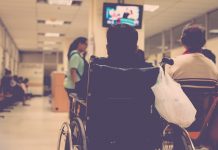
(52, 34)
(150, 8)
(214, 31)
(60, 2)
(47, 48)
(55, 22)
(48, 42)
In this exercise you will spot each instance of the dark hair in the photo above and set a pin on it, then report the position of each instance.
(193, 37)
(7, 71)
(74, 45)
(20, 79)
(121, 40)
(209, 54)
(15, 77)
(26, 80)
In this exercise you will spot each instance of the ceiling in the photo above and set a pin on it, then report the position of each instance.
(20, 17)
(174, 12)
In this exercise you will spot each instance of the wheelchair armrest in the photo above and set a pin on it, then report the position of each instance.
(83, 102)
(76, 99)
(73, 95)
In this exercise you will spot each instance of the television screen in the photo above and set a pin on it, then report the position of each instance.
(122, 14)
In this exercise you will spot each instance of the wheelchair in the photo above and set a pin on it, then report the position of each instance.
(120, 114)
(206, 133)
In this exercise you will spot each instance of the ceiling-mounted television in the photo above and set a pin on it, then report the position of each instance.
(115, 13)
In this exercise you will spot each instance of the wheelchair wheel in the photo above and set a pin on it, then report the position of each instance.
(78, 134)
(72, 136)
(176, 138)
(65, 139)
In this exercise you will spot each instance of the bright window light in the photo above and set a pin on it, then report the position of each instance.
(52, 34)
(215, 31)
(60, 2)
(150, 8)
(55, 22)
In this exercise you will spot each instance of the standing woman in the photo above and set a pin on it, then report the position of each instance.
(76, 65)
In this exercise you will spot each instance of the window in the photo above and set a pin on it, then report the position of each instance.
(147, 46)
(155, 44)
(213, 24)
(167, 40)
(176, 35)
(200, 20)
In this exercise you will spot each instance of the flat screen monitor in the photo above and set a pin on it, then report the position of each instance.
(114, 13)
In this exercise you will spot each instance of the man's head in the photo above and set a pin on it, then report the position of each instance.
(121, 40)
(193, 37)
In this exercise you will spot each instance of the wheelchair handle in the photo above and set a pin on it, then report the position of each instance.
(165, 61)
(168, 61)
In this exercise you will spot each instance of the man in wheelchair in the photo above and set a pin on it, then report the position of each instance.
(125, 97)
(119, 112)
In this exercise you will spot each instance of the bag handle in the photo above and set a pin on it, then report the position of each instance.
(161, 74)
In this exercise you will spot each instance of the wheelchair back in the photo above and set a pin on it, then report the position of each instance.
(119, 113)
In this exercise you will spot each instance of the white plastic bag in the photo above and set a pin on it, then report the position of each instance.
(171, 102)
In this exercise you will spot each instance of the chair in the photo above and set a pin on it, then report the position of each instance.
(207, 134)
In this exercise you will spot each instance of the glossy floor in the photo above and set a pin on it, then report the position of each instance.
(33, 127)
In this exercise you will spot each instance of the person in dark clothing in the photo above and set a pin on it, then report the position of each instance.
(5, 82)
(17, 91)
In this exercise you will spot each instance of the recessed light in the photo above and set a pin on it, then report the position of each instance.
(150, 8)
(215, 31)
(55, 22)
(60, 2)
(46, 48)
(47, 42)
(53, 34)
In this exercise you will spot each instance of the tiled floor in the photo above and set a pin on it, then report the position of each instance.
(33, 127)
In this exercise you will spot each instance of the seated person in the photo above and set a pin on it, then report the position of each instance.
(195, 72)
(122, 48)
(5, 83)
(123, 53)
